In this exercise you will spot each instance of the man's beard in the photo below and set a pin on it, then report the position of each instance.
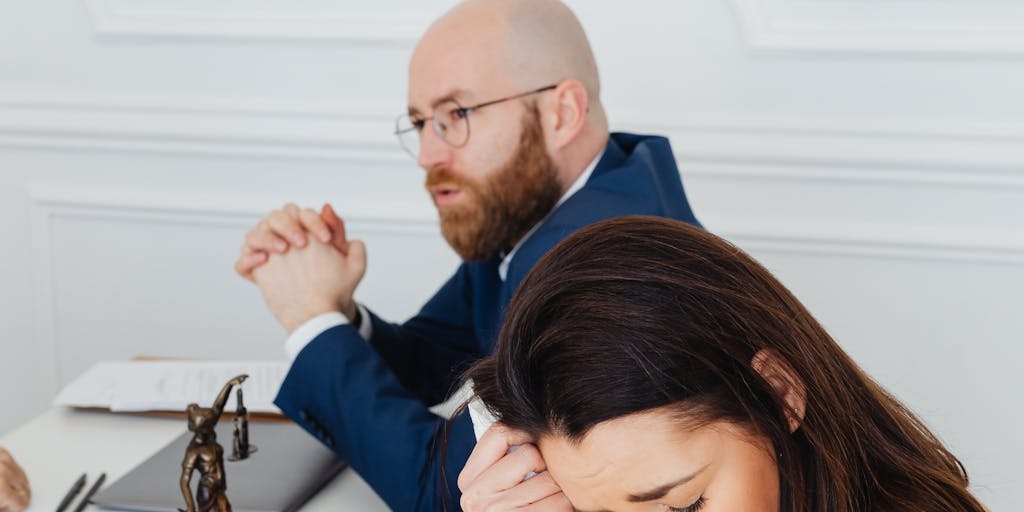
(501, 208)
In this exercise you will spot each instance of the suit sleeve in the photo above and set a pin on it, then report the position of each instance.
(429, 352)
(342, 391)
(368, 402)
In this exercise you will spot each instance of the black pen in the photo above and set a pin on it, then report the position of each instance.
(72, 492)
(92, 490)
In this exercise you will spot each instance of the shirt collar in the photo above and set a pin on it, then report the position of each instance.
(581, 180)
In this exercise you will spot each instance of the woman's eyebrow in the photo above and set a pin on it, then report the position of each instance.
(661, 491)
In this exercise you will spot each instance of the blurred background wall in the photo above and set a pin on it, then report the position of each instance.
(870, 153)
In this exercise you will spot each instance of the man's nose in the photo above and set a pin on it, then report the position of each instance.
(434, 153)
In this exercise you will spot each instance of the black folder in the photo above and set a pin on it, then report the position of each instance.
(288, 469)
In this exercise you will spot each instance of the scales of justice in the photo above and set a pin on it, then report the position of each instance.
(205, 455)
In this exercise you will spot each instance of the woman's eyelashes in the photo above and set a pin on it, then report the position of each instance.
(697, 505)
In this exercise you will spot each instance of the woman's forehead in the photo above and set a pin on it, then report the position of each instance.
(627, 452)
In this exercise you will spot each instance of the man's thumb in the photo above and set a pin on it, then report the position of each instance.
(357, 253)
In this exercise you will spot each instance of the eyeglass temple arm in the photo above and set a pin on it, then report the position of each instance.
(520, 95)
(488, 103)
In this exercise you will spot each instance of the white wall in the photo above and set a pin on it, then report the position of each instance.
(870, 153)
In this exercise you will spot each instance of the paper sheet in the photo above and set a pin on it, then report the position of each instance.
(172, 385)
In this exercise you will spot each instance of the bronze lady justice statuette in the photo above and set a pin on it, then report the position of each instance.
(205, 454)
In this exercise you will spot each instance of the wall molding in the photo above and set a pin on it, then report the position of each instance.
(347, 132)
(149, 205)
(941, 154)
(950, 27)
(812, 237)
(51, 202)
(262, 20)
(888, 241)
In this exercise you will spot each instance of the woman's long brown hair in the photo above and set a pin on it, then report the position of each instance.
(639, 313)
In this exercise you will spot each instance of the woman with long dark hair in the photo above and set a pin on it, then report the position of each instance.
(645, 364)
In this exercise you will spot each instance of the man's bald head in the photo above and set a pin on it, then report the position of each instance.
(482, 51)
(527, 43)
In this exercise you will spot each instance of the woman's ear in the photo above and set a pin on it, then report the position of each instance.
(787, 385)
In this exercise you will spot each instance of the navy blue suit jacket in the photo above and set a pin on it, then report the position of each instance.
(369, 401)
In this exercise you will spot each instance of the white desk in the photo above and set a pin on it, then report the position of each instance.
(59, 445)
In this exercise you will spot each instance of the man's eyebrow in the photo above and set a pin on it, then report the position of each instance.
(661, 491)
(452, 95)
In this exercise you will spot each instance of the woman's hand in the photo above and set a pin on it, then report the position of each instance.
(506, 472)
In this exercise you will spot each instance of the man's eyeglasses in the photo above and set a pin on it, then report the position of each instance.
(450, 121)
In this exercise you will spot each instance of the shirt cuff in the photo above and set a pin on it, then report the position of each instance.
(480, 416)
(308, 331)
(366, 323)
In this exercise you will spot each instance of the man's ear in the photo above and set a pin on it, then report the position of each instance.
(564, 113)
(787, 385)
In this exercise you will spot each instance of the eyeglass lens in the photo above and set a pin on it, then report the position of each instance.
(449, 122)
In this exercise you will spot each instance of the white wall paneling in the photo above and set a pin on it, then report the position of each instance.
(218, 126)
(106, 284)
(380, 22)
(973, 154)
(984, 158)
(895, 26)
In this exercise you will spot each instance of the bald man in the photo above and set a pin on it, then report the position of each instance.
(538, 164)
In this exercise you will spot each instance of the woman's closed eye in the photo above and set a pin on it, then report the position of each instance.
(697, 505)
